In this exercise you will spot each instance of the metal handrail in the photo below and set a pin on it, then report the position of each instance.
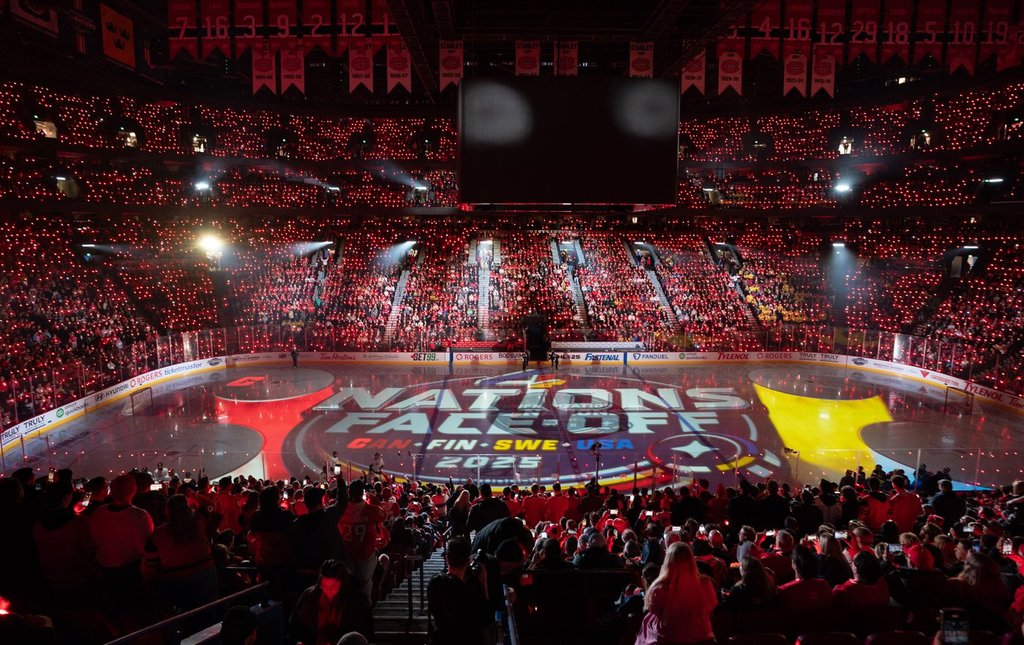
(513, 629)
(186, 615)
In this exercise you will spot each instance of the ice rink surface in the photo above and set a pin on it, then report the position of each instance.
(664, 424)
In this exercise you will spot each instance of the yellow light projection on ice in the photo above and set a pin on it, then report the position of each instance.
(825, 431)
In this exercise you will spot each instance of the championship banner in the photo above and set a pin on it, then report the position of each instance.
(360, 65)
(527, 58)
(399, 67)
(641, 59)
(864, 17)
(450, 63)
(181, 28)
(118, 36)
(248, 24)
(794, 73)
(316, 23)
(214, 14)
(823, 70)
(730, 57)
(694, 73)
(764, 23)
(567, 58)
(39, 15)
(264, 67)
(996, 28)
(293, 66)
(284, 18)
(831, 30)
(963, 31)
(896, 41)
(730, 72)
(351, 22)
(928, 33)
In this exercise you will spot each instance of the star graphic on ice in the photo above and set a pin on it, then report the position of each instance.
(694, 449)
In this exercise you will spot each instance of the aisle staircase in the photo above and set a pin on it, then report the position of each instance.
(483, 301)
(396, 307)
(666, 306)
(401, 617)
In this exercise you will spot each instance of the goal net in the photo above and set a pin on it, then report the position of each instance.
(958, 401)
(141, 401)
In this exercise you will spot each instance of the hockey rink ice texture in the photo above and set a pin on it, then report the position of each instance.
(652, 424)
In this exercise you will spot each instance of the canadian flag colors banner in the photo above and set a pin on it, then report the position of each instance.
(215, 27)
(794, 73)
(181, 28)
(118, 36)
(567, 58)
(641, 60)
(293, 66)
(730, 72)
(527, 58)
(399, 67)
(360, 65)
(823, 70)
(694, 73)
(963, 34)
(450, 63)
(264, 67)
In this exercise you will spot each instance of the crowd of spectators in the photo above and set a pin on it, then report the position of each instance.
(622, 304)
(874, 552)
(702, 295)
(526, 281)
(102, 558)
(439, 307)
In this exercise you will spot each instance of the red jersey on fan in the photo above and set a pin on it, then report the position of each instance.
(359, 528)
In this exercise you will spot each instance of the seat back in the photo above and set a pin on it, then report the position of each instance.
(898, 638)
(828, 638)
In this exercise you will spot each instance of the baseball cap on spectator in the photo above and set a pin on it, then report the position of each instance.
(936, 520)
(918, 557)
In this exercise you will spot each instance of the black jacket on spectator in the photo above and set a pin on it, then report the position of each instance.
(950, 506)
(597, 557)
(460, 612)
(485, 512)
(314, 538)
(488, 538)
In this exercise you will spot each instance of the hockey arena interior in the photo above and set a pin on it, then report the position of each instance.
(469, 322)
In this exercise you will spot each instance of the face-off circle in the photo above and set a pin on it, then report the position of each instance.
(543, 426)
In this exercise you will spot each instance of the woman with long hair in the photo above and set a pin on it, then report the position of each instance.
(679, 602)
(756, 589)
(981, 590)
(832, 565)
(459, 515)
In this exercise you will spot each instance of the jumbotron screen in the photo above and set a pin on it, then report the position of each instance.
(568, 140)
